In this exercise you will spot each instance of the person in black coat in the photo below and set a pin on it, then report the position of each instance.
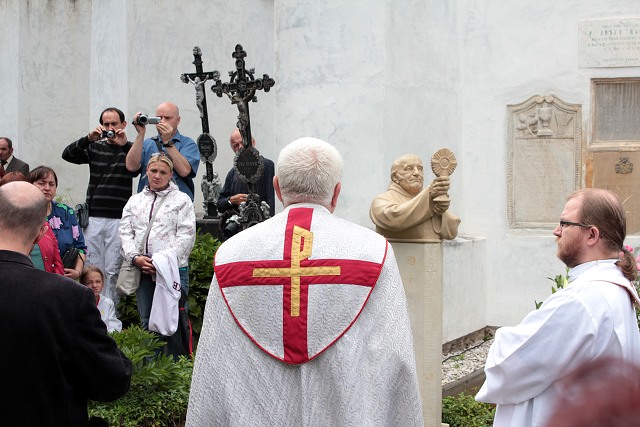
(56, 353)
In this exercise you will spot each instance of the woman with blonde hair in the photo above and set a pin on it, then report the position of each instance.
(158, 229)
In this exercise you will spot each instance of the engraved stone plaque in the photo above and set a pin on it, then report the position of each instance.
(249, 165)
(609, 42)
(544, 165)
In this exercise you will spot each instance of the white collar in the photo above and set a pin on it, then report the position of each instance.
(578, 270)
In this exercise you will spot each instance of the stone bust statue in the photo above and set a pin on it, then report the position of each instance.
(407, 211)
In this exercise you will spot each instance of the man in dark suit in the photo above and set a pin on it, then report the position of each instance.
(56, 353)
(8, 161)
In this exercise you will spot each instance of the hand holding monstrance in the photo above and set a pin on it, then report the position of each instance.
(443, 163)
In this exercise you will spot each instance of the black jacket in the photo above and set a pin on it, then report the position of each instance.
(55, 352)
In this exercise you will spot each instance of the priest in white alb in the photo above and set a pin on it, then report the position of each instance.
(306, 321)
(592, 318)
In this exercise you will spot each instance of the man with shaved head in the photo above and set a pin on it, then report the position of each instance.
(592, 318)
(182, 149)
(57, 353)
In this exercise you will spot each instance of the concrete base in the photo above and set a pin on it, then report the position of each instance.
(421, 270)
(473, 381)
(209, 225)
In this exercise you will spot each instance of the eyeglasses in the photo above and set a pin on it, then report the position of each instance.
(565, 223)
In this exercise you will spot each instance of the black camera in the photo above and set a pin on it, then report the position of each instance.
(248, 214)
(144, 120)
(108, 134)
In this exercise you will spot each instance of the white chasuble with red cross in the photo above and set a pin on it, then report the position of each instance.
(306, 324)
(302, 296)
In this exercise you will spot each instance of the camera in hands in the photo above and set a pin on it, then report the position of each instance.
(248, 214)
(144, 120)
(108, 134)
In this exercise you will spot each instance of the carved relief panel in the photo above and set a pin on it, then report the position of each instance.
(544, 138)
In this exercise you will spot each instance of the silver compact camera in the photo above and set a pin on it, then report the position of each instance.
(144, 120)
(108, 134)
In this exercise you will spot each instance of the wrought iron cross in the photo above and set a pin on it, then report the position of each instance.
(241, 90)
(206, 142)
(197, 79)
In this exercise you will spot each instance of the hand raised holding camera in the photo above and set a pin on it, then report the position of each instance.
(120, 137)
(165, 130)
(96, 134)
(140, 127)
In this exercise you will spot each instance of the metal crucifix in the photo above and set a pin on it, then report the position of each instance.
(241, 90)
(206, 142)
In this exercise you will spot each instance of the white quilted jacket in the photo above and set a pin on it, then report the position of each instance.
(174, 226)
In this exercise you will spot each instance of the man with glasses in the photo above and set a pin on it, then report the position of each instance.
(105, 150)
(593, 317)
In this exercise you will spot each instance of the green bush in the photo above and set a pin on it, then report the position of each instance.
(200, 275)
(128, 311)
(463, 411)
(159, 391)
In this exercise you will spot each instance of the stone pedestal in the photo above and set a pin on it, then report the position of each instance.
(421, 270)
(211, 226)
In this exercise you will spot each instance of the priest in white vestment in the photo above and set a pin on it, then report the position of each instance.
(593, 317)
(306, 322)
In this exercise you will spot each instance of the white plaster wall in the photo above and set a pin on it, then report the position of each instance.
(10, 71)
(374, 77)
(464, 286)
(44, 79)
(331, 71)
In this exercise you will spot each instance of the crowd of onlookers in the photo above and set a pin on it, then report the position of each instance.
(91, 242)
(118, 227)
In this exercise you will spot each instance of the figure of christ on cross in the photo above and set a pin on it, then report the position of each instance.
(296, 272)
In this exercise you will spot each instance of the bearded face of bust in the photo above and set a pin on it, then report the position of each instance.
(410, 175)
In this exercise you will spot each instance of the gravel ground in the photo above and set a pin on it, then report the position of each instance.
(457, 364)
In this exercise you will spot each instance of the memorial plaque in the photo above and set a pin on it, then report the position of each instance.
(207, 147)
(609, 42)
(249, 165)
(544, 164)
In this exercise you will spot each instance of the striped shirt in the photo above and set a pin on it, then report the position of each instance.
(110, 183)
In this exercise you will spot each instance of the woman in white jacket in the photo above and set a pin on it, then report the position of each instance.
(173, 227)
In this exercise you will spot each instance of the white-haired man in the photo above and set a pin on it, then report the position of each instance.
(306, 321)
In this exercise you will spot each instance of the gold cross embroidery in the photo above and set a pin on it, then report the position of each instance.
(301, 246)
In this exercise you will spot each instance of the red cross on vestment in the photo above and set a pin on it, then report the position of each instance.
(295, 273)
